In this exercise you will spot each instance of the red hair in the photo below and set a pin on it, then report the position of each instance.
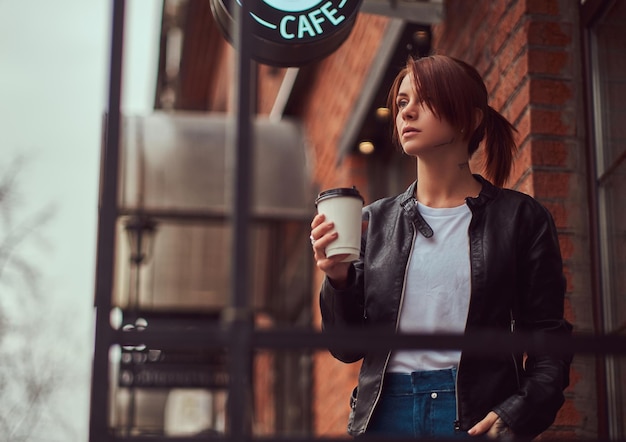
(453, 90)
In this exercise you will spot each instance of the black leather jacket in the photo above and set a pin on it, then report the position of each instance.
(516, 282)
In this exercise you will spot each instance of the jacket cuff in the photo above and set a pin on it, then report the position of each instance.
(328, 285)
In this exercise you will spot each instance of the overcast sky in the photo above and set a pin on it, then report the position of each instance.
(54, 58)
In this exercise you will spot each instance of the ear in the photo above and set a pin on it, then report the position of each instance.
(478, 117)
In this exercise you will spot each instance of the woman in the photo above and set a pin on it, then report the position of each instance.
(453, 254)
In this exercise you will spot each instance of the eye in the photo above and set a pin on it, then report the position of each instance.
(402, 103)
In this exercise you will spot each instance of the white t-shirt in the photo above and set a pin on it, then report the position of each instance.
(437, 292)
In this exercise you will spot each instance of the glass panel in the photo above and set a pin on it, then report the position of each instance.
(620, 379)
(610, 69)
(615, 291)
(615, 212)
(167, 393)
(185, 393)
(183, 285)
(189, 268)
(609, 80)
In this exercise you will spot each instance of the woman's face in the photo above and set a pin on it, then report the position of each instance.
(419, 130)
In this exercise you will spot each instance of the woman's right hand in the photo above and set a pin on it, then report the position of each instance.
(322, 234)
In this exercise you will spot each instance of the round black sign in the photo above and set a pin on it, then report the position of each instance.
(291, 32)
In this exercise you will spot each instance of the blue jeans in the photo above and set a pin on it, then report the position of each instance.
(420, 404)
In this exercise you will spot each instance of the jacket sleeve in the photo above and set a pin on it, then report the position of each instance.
(344, 308)
(539, 313)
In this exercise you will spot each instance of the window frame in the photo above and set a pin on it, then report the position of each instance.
(609, 421)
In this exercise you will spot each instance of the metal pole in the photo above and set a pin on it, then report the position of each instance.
(239, 315)
(107, 216)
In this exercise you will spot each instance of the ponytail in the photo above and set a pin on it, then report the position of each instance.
(499, 146)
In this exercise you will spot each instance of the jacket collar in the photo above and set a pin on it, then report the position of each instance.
(487, 193)
(409, 203)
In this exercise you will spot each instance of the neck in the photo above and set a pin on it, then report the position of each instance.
(445, 183)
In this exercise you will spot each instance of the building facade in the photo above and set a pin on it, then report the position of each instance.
(556, 69)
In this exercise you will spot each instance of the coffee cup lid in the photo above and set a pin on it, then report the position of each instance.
(339, 191)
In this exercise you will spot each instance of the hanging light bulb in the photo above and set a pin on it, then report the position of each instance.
(366, 147)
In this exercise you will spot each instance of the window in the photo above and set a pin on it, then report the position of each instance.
(607, 93)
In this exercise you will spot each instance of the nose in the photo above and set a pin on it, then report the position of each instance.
(409, 112)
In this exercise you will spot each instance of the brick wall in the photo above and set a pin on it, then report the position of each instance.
(528, 52)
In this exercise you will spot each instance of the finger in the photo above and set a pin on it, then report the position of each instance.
(320, 232)
(484, 425)
(317, 220)
(320, 244)
(329, 264)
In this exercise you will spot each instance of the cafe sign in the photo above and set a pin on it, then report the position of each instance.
(291, 32)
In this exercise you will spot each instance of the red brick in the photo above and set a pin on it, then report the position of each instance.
(332, 393)
(545, 7)
(346, 72)
(549, 152)
(544, 121)
(510, 21)
(550, 91)
(519, 102)
(264, 416)
(509, 83)
(556, 434)
(512, 77)
(559, 212)
(551, 184)
(354, 173)
(549, 33)
(567, 247)
(454, 35)
(522, 162)
(542, 61)
(523, 126)
(512, 50)
(574, 376)
(524, 184)
(568, 414)
(491, 80)
(496, 11)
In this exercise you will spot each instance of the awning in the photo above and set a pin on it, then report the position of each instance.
(181, 164)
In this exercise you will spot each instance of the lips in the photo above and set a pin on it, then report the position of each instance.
(409, 130)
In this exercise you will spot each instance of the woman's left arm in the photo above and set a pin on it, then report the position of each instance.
(539, 313)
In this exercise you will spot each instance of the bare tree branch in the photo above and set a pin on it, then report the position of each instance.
(10, 243)
(30, 364)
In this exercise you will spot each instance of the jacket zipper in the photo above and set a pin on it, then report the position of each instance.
(517, 377)
(406, 271)
(457, 422)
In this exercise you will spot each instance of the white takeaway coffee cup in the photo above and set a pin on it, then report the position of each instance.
(342, 206)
